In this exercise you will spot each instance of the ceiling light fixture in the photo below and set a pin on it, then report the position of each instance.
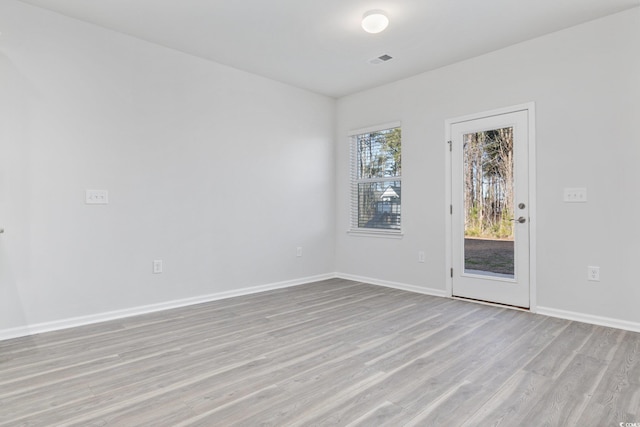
(374, 21)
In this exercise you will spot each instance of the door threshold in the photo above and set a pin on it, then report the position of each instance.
(494, 304)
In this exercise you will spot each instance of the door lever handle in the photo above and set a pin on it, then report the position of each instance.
(520, 220)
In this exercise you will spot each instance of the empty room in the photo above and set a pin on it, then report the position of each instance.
(336, 213)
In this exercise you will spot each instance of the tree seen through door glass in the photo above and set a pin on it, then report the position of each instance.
(489, 203)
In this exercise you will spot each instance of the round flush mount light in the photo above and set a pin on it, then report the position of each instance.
(375, 21)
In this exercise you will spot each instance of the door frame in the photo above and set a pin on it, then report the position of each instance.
(530, 109)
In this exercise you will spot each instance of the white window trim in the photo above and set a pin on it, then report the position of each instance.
(361, 231)
(376, 128)
(376, 232)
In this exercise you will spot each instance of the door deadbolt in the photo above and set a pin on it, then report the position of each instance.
(522, 206)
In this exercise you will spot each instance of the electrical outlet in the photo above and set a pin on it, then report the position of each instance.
(157, 266)
(421, 256)
(299, 251)
(593, 274)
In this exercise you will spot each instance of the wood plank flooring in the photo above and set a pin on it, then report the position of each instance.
(332, 353)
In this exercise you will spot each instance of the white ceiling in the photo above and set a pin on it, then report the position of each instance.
(319, 44)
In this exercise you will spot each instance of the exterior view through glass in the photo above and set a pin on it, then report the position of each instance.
(378, 179)
(489, 203)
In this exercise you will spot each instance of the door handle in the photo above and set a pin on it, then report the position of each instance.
(520, 220)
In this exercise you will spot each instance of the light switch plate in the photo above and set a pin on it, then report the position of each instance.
(97, 197)
(575, 195)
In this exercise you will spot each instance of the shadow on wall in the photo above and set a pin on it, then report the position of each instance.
(12, 313)
(15, 190)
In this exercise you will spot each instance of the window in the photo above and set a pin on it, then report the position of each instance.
(376, 176)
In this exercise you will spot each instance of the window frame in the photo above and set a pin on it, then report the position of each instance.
(354, 229)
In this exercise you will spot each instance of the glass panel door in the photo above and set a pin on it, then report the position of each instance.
(489, 219)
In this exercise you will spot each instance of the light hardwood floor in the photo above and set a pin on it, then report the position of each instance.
(335, 353)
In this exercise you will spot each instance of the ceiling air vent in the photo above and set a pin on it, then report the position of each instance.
(380, 59)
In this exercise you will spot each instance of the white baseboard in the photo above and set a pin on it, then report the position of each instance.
(39, 328)
(56, 325)
(589, 318)
(394, 285)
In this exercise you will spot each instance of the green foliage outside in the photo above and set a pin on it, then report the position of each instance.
(379, 162)
(488, 181)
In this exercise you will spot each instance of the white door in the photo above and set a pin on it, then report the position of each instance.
(490, 208)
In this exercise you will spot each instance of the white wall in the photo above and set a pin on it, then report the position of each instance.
(219, 173)
(222, 174)
(585, 82)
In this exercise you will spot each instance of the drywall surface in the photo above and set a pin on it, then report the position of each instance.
(218, 173)
(585, 82)
(222, 174)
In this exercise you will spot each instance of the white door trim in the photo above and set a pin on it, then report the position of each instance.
(530, 108)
